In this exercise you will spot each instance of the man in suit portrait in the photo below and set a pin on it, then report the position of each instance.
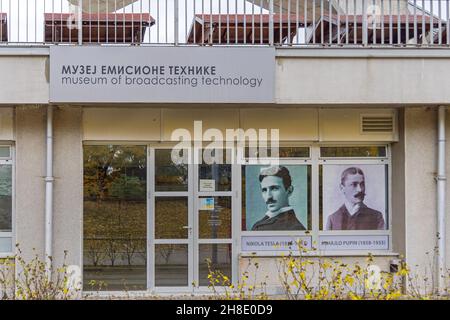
(354, 214)
(276, 188)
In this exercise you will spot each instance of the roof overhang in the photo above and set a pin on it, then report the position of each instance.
(102, 5)
(312, 7)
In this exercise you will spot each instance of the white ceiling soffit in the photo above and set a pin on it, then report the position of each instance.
(356, 7)
(336, 5)
(102, 5)
(419, 10)
(310, 4)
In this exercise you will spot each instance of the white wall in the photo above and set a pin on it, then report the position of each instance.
(419, 147)
(293, 123)
(30, 172)
(6, 124)
(346, 80)
(270, 269)
(30, 186)
(303, 77)
(420, 188)
(23, 80)
(68, 188)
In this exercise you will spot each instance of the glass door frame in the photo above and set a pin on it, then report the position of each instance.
(151, 240)
(193, 240)
(234, 194)
(10, 161)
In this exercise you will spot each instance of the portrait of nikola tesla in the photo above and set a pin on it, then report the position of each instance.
(354, 213)
(276, 189)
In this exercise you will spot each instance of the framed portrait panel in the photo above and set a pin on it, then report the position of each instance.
(354, 197)
(276, 198)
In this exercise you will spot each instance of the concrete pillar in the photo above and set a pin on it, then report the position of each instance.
(68, 185)
(29, 184)
(420, 191)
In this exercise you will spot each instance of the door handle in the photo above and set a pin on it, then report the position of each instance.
(189, 228)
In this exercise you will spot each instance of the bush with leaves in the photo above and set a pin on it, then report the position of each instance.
(223, 288)
(33, 281)
(303, 277)
(305, 274)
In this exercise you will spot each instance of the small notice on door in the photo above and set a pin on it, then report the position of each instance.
(207, 185)
(206, 204)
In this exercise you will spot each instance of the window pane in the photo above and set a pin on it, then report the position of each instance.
(5, 198)
(171, 216)
(215, 220)
(294, 152)
(219, 256)
(115, 218)
(215, 175)
(5, 152)
(341, 152)
(283, 152)
(6, 245)
(171, 265)
(170, 176)
(354, 197)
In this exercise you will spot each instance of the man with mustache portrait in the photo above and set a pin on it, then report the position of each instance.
(354, 214)
(276, 188)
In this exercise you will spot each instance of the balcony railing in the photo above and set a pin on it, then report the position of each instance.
(294, 23)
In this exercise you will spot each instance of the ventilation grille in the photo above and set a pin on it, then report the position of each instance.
(377, 124)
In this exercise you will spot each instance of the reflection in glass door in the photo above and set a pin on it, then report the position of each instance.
(190, 220)
(213, 214)
(171, 221)
(114, 217)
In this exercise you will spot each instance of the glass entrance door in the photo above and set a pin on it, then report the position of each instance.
(190, 219)
(213, 193)
(171, 221)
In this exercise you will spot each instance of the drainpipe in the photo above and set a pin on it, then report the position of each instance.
(49, 191)
(441, 205)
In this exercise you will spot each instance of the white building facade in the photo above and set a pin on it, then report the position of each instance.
(86, 166)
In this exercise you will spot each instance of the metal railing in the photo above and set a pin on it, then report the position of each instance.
(227, 22)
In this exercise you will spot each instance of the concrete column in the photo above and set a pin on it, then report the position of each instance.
(30, 185)
(68, 186)
(420, 191)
